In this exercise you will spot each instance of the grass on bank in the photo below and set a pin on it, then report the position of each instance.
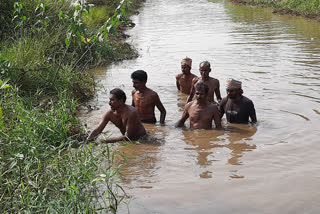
(40, 171)
(43, 77)
(308, 8)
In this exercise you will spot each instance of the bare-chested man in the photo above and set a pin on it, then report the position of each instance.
(145, 99)
(184, 79)
(237, 107)
(213, 84)
(201, 111)
(123, 116)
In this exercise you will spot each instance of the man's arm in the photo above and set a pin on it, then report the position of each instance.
(252, 113)
(116, 139)
(100, 127)
(184, 117)
(221, 108)
(132, 94)
(177, 82)
(217, 92)
(216, 117)
(192, 91)
(161, 108)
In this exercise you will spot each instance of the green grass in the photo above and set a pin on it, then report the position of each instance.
(40, 171)
(44, 164)
(303, 7)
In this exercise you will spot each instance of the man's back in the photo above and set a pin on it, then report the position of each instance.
(128, 121)
(145, 103)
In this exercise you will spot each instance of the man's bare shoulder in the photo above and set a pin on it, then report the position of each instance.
(196, 79)
(193, 75)
(213, 106)
(131, 109)
(214, 80)
(134, 91)
(108, 114)
(151, 93)
(178, 76)
(189, 105)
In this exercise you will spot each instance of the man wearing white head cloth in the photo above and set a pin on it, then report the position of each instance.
(237, 107)
(184, 79)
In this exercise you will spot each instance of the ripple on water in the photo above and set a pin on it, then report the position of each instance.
(278, 64)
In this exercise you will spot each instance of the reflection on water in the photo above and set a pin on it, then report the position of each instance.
(272, 168)
(209, 142)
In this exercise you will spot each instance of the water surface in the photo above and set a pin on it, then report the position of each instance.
(273, 168)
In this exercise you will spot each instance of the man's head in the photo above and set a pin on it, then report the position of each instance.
(117, 98)
(186, 64)
(139, 79)
(204, 69)
(201, 91)
(234, 89)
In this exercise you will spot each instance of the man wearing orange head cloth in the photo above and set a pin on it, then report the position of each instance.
(184, 79)
(237, 107)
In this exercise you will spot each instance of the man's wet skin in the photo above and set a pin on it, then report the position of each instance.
(212, 83)
(184, 79)
(123, 116)
(145, 100)
(201, 112)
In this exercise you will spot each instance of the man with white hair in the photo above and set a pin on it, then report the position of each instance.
(212, 83)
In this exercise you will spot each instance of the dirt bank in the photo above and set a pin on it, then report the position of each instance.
(279, 8)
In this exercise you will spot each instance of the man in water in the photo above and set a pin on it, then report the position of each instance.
(237, 107)
(213, 84)
(201, 111)
(145, 99)
(184, 79)
(123, 116)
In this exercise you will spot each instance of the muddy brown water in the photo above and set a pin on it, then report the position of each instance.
(273, 168)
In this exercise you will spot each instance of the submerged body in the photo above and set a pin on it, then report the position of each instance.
(184, 79)
(145, 102)
(200, 112)
(237, 107)
(145, 99)
(212, 83)
(123, 116)
(238, 110)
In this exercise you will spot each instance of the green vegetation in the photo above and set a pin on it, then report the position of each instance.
(310, 8)
(46, 50)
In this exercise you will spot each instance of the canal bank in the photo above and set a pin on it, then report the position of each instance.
(308, 9)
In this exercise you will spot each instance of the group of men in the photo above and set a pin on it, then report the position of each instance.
(201, 108)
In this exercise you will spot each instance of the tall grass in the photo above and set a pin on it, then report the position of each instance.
(40, 171)
(44, 165)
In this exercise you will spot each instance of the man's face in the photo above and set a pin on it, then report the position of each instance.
(204, 71)
(200, 95)
(233, 93)
(138, 84)
(185, 69)
(114, 103)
